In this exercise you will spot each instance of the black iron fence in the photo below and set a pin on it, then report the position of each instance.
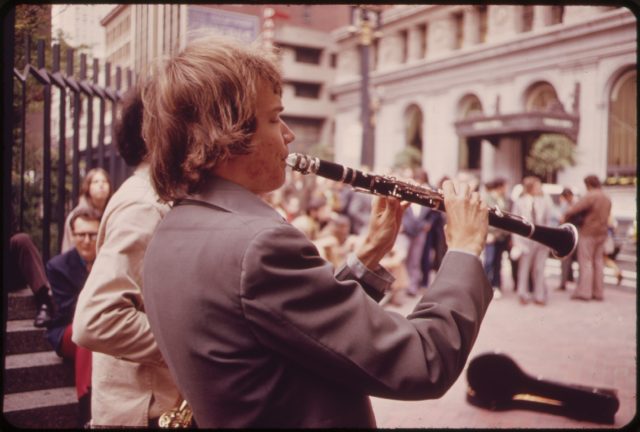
(67, 131)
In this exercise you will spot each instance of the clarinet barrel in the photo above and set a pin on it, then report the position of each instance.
(561, 240)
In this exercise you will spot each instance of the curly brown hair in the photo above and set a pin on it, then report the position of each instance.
(200, 109)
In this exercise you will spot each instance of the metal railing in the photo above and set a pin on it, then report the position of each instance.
(75, 117)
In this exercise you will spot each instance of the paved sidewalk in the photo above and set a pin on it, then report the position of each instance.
(567, 341)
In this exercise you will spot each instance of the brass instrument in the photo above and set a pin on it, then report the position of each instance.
(561, 240)
(178, 417)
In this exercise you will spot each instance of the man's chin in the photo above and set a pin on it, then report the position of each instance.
(277, 185)
(266, 188)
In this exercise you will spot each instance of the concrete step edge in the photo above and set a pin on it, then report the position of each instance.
(22, 325)
(39, 398)
(24, 292)
(44, 358)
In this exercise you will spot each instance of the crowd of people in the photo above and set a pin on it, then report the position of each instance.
(420, 244)
(258, 302)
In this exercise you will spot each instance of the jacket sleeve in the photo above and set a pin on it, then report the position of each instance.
(375, 283)
(298, 308)
(64, 297)
(584, 204)
(110, 317)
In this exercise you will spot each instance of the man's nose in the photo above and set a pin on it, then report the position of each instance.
(287, 133)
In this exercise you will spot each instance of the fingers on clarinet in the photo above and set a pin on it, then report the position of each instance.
(463, 189)
(386, 204)
(448, 188)
(377, 203)
(398, 206)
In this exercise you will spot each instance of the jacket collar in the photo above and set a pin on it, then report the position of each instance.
(234, 198)
(143, 170)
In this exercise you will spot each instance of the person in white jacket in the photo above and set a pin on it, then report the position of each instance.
(131, 384)
(537, 208)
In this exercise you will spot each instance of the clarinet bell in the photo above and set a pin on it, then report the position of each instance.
(497, 383)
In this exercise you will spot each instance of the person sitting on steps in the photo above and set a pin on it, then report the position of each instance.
(26, 268)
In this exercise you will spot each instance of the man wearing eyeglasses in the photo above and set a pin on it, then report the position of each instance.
(67, 274)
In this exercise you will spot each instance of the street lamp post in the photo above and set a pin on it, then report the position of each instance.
(361, 24)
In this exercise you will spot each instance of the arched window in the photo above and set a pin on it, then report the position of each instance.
(541, 97)
(622, 139)
(469, 148)
(413, 126)
(470, 106)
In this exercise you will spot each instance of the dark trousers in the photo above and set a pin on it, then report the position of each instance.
(493, 261)
(566, 272)
(84, 410)
(435, 241)
(25, 264)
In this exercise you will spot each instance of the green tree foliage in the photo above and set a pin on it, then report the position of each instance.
(33, 23)
(408, 157)
(551, 153)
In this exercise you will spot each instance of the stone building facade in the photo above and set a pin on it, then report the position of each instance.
(473, 86)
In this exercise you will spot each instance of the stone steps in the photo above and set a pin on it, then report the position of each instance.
(55, 408)
(22, 305)
(22, 337)
(36, 371)
(38, 386)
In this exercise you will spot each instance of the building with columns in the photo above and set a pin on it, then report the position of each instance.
(473, 86)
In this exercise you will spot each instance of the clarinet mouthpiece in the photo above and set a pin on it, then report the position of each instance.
(303, 163)
(292, 160)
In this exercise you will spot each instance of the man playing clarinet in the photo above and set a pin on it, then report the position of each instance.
(257, 329)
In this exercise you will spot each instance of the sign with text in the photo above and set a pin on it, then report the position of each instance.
(242, 27)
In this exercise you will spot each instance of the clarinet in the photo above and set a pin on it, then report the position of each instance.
(561, 240)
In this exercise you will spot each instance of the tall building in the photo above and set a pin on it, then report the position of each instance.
(80, 25)
(138, 33)
(473, 86)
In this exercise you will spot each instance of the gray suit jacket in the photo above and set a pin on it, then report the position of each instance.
(258, 330)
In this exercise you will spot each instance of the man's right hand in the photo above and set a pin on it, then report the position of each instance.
(467, 218)
(384, 224)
